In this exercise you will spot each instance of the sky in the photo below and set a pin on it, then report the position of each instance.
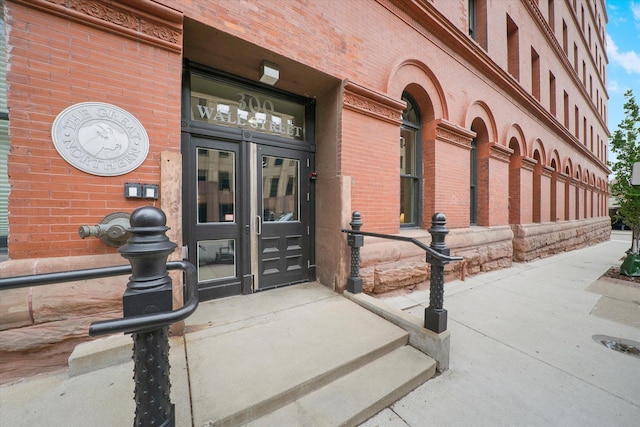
(623, 52)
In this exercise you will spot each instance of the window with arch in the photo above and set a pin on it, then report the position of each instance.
(410, 164)
(473, 182)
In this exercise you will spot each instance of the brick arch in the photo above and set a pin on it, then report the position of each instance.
(600, 197)
(514, 132)
(569, 190)
(480, 111)
(479, 191)
(588, 179)
(538, 154)
(567, 167)
(411, 74)
(579, 202)
(516, 142)
(538, 146)
(555, 156)
(556, 196)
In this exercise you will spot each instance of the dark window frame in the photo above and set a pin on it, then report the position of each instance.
(473, 182)
(411, 121)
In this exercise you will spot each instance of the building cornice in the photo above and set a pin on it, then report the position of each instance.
(528, 163)
(141, 20)
(544, 27)
(547, 171)
(428, 17)
(453, 134)
(500, 152)
(372, 103)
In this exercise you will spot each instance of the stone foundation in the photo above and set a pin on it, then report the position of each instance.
(483, 248)
(40, 326)
(533, 241)
(388, 265)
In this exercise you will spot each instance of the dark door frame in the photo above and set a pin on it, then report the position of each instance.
(209, 133)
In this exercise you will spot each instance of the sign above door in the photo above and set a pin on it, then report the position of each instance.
(228, 104)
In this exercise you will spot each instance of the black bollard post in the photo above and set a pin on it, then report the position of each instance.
(149, 291)
(435, 316)
(354, 282)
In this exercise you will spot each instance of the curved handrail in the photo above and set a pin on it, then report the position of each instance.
(154, 320)
(126, 324)
(428, 249)
(62, 276)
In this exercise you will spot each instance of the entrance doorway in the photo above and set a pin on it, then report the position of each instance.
(248, 199)
(247, 215)
(283, 217)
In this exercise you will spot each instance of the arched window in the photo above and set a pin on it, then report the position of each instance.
(473, 184)
(410, 164)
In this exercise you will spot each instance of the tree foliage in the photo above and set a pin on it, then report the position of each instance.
(625, 144)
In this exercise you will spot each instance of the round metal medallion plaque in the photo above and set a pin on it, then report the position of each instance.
(100, 139)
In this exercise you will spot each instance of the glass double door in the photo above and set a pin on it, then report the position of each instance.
(247, 215)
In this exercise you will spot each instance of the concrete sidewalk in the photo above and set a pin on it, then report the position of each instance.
(522, 352)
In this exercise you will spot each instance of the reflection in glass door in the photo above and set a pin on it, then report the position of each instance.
(247, 215)
(213, 216)
(283, 218)
(216, 205)
(279, 189)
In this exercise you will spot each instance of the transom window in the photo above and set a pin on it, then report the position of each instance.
(410, 164)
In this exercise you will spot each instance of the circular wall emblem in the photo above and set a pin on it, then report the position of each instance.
(100, 139)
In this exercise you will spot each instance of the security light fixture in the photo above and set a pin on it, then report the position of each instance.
(269, 73)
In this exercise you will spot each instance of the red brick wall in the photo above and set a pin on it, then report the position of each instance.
(545, 198)
(54, 63)
(85, 63)
(526, 196)
(498, 193)
(452, 184)
(371, 157)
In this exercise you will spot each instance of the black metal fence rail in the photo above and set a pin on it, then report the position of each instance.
(62, 277)
(126, 324)
(147, 306)
(437, 254)
(155, 320)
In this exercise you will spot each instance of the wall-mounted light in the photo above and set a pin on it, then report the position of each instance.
(269, 73)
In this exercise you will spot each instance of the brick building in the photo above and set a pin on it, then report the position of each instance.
(269, 122)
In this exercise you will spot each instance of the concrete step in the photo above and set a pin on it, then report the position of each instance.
(359, 395)
(259, 365)
(302, 354)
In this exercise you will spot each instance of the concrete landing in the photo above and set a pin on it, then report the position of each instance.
(299, 353)
(289, 343)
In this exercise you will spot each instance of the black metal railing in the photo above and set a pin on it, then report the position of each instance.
(147, 307)
(437, 254)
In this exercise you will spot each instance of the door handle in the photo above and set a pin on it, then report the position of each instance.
(258, 225)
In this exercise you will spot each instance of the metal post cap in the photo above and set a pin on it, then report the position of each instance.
(356, 220)
(148, 217)
(438, 220)
(148, 227)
